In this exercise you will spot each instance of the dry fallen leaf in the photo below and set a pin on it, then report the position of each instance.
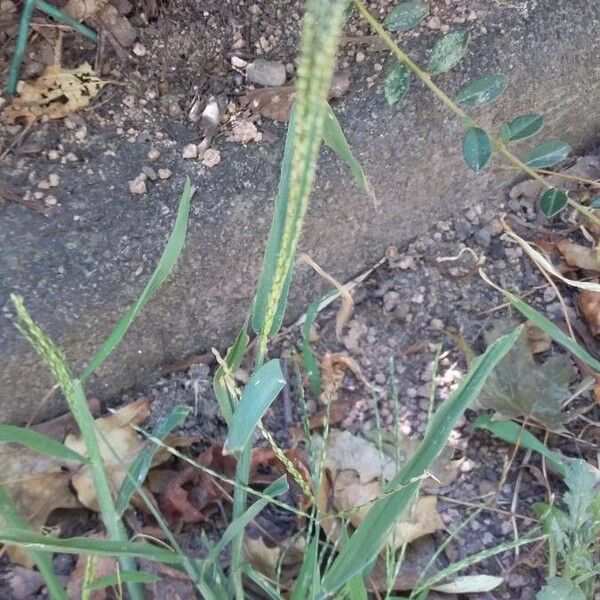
(582, 257)
(56, 93)
(519, 386)
(103, 566)
(538, 341)
(38, 485)
(119, 445)
(356, 471)
(333, 369)
(276, 103)
(589, 305)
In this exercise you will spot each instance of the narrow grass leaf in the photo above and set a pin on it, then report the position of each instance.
(12, 518)
(275, 239)
(522, 128)
(395, 84)
(333, 136)
(355, 588)
(38, 442)
(141, 465)
(262, 582)
(406, 15)
(310, 363)
(117, 579)
(482, 90)
(307, 580)
(477, 149)
(237, 526)
(511, 432)
(553, 201)
(557, 334)
(259, 393)
(369, 538)
(163, 269)
(78, 405)
(547, 154)
(470, 584)
(233, 360)
(448, 51)
(86, 545)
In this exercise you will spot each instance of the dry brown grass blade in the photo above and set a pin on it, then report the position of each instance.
(347, 308)
(544, 263)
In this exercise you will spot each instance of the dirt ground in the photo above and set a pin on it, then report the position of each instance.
(409, 309)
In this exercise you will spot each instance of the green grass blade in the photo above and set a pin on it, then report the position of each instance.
(38, 442)
(355, 588)
(75, 396)
(262, 583)
(318, 44)
(511, 432)
(275, 239)
(308, 578)
(552, 330)
(371, 535)
(9, 513)
(163, 269)
(333, 136)
(116, 579)
(86, 545)
(259, 393)
(310, 363)
(233, 360)
(141, 465)
(237, 526)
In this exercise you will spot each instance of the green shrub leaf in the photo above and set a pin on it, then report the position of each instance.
(522, 127)
(547, 154)
(448, 51)
(477, 149)
(39, 443)
(406, 15)
(258, 395)
(396, 84)
(553, 201)
(483, 90)
(595, 203)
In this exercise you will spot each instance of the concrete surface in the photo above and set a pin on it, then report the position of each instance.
(80, 269)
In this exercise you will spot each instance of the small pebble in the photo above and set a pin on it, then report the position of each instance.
(245, 131)
(238, 63)
(50, 201)
(266, 72)
(53, 179)
(391, 299)
(137, 186)
(153, 154)
(436, 324)
(149, 172)
(211, 158)
(44, 184)
(434, 23)
(190, 151)
(360, 56)
(164, 173)
(138, 49)
(53, 154)
(483, 237)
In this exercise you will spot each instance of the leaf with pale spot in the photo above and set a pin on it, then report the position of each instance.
(552, 202)
(448, 51)
(406, 15)
(396, 84)
(482, 90)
